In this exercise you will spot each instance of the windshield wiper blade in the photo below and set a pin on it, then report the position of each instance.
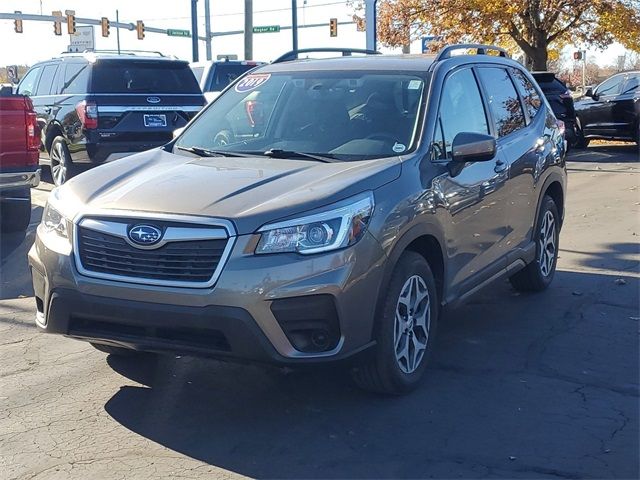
(279, 153)
(205, 152)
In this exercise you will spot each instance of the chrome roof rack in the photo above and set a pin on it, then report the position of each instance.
(295, 54)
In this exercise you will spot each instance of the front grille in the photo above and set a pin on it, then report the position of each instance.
(180, 261)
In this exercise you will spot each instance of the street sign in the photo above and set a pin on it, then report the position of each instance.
(174, 32)
(83, 39)
(267, 29)
(427, 40)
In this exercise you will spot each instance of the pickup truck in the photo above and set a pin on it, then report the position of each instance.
(19, 170)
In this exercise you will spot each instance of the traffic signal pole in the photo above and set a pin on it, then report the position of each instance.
(207, 28)
(248, 29)
(294, 23)
(118, 30)
(194, 29)
(370, 16)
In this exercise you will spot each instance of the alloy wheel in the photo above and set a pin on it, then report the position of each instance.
(58, 164)
(547, 244)
(412, 324)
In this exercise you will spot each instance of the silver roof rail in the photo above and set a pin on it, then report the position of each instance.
(480, 50)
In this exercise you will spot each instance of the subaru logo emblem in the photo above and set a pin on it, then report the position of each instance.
(144, 235)
(153, 99)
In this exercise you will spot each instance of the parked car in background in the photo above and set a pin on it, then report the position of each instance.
(357, 210)
(561, 101)
(214, 76)
(610, 110)
(96, 107)
(19, 170)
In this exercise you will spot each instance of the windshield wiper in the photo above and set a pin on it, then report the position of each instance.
(279, 153)
(205, 152)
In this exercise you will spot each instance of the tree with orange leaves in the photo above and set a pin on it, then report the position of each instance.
(534, 26)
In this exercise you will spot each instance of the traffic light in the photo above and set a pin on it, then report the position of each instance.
(17, 24)
(57, 23)
(333, 27)
(105, 26)
(577, 55)
(71, 23)
(140, 29)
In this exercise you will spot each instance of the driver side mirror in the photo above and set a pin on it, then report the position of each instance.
(591, 93)
(470, 147)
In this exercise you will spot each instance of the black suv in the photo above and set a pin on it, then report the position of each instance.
(561, 101)
(95, 107)
(372, 192)
(611, 110)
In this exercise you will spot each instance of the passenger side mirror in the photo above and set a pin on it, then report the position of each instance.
(473, 147)
(592, 94)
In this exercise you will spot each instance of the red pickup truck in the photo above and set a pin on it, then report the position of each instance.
(19, 152)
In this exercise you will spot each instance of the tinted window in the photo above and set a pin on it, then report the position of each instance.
(156, 77)
(461, 110)
(223, 74)
(633, 82)
(611, 86)
(528, 91)
(503, 100)
(46, 80)
(76, 78)
(28, 84)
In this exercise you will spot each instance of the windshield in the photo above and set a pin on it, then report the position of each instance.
(349, 115)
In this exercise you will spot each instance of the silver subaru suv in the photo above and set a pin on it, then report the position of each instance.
(318, 210)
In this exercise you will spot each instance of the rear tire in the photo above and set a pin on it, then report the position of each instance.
(15, 215)
(62, 169)
(405, 329)
(537, 276)
(117, 351)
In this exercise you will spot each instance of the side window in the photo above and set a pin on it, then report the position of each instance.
(529, 93)
(632, 85)
(76, 78)
(503, 100)
(28, 84)
(612, 86)
(46, 80)
(461, 110)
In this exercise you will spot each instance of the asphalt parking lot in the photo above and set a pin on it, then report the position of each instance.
(521, 386)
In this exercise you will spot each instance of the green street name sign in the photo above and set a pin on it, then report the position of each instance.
(267, 29)
(172, 32)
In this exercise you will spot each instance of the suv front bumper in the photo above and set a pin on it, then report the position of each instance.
(237, 318)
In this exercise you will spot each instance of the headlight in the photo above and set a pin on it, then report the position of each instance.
(54, 222)
(321, 232)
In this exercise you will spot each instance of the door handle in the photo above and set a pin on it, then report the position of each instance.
(500, 166)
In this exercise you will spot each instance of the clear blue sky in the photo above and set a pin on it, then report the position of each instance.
(38, 41)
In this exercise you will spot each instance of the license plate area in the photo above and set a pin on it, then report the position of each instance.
(155, 120)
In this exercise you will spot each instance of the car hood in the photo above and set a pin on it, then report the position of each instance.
(250, 191)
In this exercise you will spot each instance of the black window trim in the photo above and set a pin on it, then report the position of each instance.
(438, 120)
(52, 86)
(486, 96)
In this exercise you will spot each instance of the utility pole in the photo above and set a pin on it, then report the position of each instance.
(248, 29)
(294, 23)
(584, 71)
(370, 16)
(207, 28)
(194, 29)
(118, 30)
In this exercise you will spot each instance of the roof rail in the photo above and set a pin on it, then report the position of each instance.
(294, 54)
(480, 50)
(121, 52)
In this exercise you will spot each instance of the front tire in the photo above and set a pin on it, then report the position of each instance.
(537, 276)
(405, 329)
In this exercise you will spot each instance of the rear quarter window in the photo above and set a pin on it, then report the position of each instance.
(143, 77)
(503, 100)
(76, 78)
(528, 92)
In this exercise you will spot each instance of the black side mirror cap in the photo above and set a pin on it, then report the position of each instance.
(473, 147)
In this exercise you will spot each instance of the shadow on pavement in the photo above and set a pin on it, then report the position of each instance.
(15, 278)
(613, 256)
(520, 385)
(606, 153)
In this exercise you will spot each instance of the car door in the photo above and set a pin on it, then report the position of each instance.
(473, 198)
(626, 107)
(597, 117)
(44, 99)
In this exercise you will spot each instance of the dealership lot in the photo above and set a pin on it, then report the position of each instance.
(524, 386)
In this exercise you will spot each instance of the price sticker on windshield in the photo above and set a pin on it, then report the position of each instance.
(251, 81)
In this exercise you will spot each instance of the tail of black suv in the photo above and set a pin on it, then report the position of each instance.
(94, 108)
